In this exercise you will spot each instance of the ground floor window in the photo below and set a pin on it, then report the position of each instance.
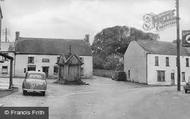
(160, 76)
(31, 68)
(55, 70)
(183, 76)
(4, 69)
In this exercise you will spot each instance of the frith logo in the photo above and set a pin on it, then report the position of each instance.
(160, 21)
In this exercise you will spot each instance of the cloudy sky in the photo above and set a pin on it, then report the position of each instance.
(75, 18)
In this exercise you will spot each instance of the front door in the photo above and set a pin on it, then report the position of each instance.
(46, 70)
(172, 78)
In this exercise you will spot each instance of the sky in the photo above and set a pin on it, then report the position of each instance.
(72, 19)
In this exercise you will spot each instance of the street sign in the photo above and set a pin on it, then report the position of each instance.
(186, 38)
(159, 21)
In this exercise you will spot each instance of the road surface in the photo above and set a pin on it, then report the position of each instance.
(106, 99)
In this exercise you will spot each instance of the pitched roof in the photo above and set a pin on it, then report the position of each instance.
(162, 47)
(51, 46)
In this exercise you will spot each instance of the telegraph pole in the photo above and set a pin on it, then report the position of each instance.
(178, 47)
(6, 33)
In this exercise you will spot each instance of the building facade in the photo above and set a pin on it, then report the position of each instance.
(154, 63)
(42, 54)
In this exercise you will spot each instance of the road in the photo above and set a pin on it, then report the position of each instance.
(106, 99)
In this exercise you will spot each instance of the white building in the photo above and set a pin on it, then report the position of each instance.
(41, 54)
(154, 63)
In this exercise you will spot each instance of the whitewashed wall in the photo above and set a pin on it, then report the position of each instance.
(22, 62)
(152, 69)
(135, 61)
(88, 66)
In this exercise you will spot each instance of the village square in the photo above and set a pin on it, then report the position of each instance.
(82, 67)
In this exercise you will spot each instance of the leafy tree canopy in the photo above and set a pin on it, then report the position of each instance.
(115, 40)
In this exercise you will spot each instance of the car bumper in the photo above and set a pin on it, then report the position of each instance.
(33, 90)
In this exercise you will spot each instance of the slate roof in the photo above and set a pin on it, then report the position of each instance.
(162, 47)
(51, 46)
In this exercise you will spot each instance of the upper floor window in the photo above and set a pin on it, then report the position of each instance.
(30, 60)
(187, 62)
(156, 61)
(167, 61)
(45, 60)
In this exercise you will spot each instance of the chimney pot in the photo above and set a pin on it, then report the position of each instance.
(87, 37)
(17, 35)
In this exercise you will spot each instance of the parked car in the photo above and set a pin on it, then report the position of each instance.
(187, 87)
(34, 82)
(119, 76)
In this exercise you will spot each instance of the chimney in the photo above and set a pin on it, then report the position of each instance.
(87, 37)
(17, 35)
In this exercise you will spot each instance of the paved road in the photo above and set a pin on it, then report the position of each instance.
(102, 99)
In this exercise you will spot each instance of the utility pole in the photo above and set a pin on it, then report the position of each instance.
(6, 33)
(178, 47)
(1, 17)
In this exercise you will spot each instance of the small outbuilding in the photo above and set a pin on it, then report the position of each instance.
(69, 68)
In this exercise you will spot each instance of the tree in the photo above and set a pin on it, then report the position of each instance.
(115, 40)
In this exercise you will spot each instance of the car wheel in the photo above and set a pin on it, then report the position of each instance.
(43, 93)
(24, 92)
(185, 90)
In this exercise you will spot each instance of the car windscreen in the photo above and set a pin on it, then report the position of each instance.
(35, 76)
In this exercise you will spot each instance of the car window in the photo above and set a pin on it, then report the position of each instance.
(35, 76)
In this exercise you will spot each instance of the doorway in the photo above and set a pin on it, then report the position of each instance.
(45, 70)
(172, 78)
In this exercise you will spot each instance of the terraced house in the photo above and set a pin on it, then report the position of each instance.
(42, 54)
(154, 63)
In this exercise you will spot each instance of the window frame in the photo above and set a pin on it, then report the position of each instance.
(161, 76)
(30, 60)
(187, 62)
(156, 61)
(167, 61)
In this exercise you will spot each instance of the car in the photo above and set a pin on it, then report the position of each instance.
(34, 82)
(119, 76)
(187, 87)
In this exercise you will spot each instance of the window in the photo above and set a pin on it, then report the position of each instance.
(4, 69)
(129, 74)
(173, 76)
(187, 62)
(167, 61)
(183, 76)
(160, 76)
(45, 60)
(30, 60)
(55, 70)
(58, 58)
(156, 61)
(31, 68)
